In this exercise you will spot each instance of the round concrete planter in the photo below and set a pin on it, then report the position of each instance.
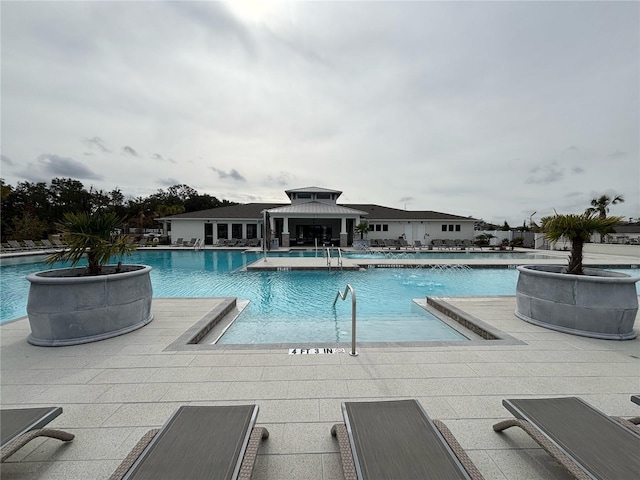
(598, 304)
(66, 308)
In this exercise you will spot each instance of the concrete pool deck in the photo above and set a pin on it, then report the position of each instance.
(115, 390)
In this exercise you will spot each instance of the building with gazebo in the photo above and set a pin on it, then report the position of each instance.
(313, 217)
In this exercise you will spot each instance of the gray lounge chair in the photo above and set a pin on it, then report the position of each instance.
(397, 440)
(31, 245)
(178, 243)
(586, 442)
(20, 426)
(209, 442)
(15, 245)
(635, 399)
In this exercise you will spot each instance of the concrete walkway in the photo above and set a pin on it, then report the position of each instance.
(113, 391)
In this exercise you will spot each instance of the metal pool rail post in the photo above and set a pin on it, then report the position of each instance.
(349, 288)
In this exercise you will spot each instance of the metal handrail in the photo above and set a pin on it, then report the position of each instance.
(329, 258)
(349, 288)
(340, 258)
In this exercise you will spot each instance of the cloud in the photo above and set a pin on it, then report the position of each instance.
(618, 154)
(577, 169)
(233, 174)
(55, 165)
(544, 174)
(282, 179)
(157, 156)
(96, 142)
(6, 160)
(130, 151)
(169, 182)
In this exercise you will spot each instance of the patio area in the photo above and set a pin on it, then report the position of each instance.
(114, 391)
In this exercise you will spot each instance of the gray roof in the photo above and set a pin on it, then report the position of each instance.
(317, 207)
(373, 212)
(311, 190)
(378, 212)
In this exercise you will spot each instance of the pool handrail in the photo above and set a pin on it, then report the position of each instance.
(349, 288)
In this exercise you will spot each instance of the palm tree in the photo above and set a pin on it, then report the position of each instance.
(578, 229)
(91, 234)
(601, 204)
(362, 228)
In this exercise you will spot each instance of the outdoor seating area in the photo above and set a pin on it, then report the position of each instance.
(119, 396)
(12, 246)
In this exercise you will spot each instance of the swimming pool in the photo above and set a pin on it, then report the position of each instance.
(295, 306)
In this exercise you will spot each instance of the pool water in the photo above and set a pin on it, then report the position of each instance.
(296, 306)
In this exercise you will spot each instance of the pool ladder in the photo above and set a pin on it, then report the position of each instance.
(329, 249)
(349, 288)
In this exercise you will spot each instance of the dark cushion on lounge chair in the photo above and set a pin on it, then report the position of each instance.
(207, 442)
(594, 442)
(397, 440)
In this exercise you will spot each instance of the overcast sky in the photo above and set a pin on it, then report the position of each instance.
(493, 110)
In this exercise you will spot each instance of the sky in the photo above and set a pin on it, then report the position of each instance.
(494, 110)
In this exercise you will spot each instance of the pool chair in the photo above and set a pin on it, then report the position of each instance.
(31, 245)
(15, 245)
(206, 442)
(254, 242)
(397, 439)
(586, 442)
(191, 243)
(19, 426)
(178, 243)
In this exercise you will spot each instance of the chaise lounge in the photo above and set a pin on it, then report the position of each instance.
(586, 442)
(206, 442)
(397, 439)
(21, 425)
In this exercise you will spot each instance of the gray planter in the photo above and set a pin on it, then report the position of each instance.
(599, 304)
(65, 308)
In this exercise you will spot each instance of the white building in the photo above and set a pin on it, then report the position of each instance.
(314, 215)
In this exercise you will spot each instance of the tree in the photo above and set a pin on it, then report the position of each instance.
(362, 228)
(578, 229)
(600, 205)
(92, 234)
(505, 227)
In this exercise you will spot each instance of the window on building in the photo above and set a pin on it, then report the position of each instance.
(385, 227)
(223, 231)
(252, 230)
(304, 195)
(378, 227)
(236, 230)
(451, 228)
(324, 196)
(457, 228)
(444, 228)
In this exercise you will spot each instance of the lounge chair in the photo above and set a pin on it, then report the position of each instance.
(47, 244)
(31, 245)
(635, 399)
(585, 441)
(191, 243)
(178, 243)
(417, 244)
(437, 243)
(397, 440)
(20, 426)
(212, 442)
(254, 242)
(242, 242)
(58, 243)
(16, 245)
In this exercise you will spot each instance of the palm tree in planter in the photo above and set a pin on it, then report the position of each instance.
(74, 305)
(91, 235)
(574, 299)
